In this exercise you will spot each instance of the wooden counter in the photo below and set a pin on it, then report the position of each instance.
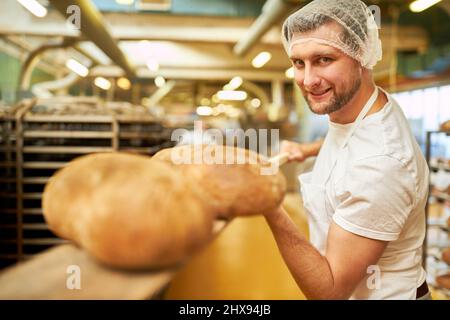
(45, 276)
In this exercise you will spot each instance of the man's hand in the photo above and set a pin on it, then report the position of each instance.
(300, 151)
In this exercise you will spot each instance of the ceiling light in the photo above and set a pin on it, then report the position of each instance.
(102, 83)
(421, 5)
(255, 103)
(77, 67)
(160, 81)
(234, 83)
(261, 59)
(232, 95)
(204, 111)
(34, 7)
(290, 73)
(125, 2)
(123, 83)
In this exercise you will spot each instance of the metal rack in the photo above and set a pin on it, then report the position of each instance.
(8, 221)
(42, 136)
(440, 226)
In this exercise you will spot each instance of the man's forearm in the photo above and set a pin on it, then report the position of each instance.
(309, 268)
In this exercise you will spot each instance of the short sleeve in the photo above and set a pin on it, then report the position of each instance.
(375, 198)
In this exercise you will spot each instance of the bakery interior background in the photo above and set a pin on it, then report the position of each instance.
(158, 65)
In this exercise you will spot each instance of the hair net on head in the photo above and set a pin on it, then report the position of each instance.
(355, 34)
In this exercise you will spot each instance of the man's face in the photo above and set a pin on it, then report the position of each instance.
(327, 77)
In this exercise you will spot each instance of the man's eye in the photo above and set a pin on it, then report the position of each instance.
(325, 60)
(299, 63)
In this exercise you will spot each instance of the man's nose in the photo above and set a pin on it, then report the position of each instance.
(310, 77)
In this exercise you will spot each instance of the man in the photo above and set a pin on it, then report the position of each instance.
(367, 192)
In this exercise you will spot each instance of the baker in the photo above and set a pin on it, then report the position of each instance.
(366, 194)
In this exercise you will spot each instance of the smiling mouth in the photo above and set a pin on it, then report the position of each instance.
(320, 94)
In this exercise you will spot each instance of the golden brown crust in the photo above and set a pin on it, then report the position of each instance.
(443, 281)
(235, 189)
(134, 212)
(127, 211)
(446, 256)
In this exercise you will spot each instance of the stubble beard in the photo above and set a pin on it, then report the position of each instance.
(337, 102)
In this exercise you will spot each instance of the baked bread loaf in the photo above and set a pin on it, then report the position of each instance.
(443, 281)
(135, 212)
(446, 256)
(445, 126)
(237, 187)
(127, 211)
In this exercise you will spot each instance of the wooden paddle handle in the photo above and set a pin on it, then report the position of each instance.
(281, 158)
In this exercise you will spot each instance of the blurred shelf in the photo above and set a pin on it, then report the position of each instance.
(8, 241)
(52, 133)
(65, 150)
(141, 135)
(445, 167)
(440, 195)
(8, 195)
(443, 227)
(68, 118)
(35, 180)
(32, 195)
(443, 245)
(44, 241)
(7, 164)
(35, 226)
(32, 211)
(44, 165)
(69, 134)
(8, 210)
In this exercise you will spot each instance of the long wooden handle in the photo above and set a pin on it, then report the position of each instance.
(280, 159)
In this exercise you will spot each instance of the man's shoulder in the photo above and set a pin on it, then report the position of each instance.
(387, 133)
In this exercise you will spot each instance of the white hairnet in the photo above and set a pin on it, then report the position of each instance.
(357, 37)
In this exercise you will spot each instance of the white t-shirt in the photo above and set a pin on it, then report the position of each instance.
(378, 190)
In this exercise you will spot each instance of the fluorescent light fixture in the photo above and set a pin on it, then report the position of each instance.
(255, 103)
(125, 2)
(160, 81)
(261, 59)
(77, 67)
(102, 83)
(421, 5)
(233, 84)
(123, 83)
(34, 7)
(290, 73)
(204, 111)
(232, 95)
(152, 65)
